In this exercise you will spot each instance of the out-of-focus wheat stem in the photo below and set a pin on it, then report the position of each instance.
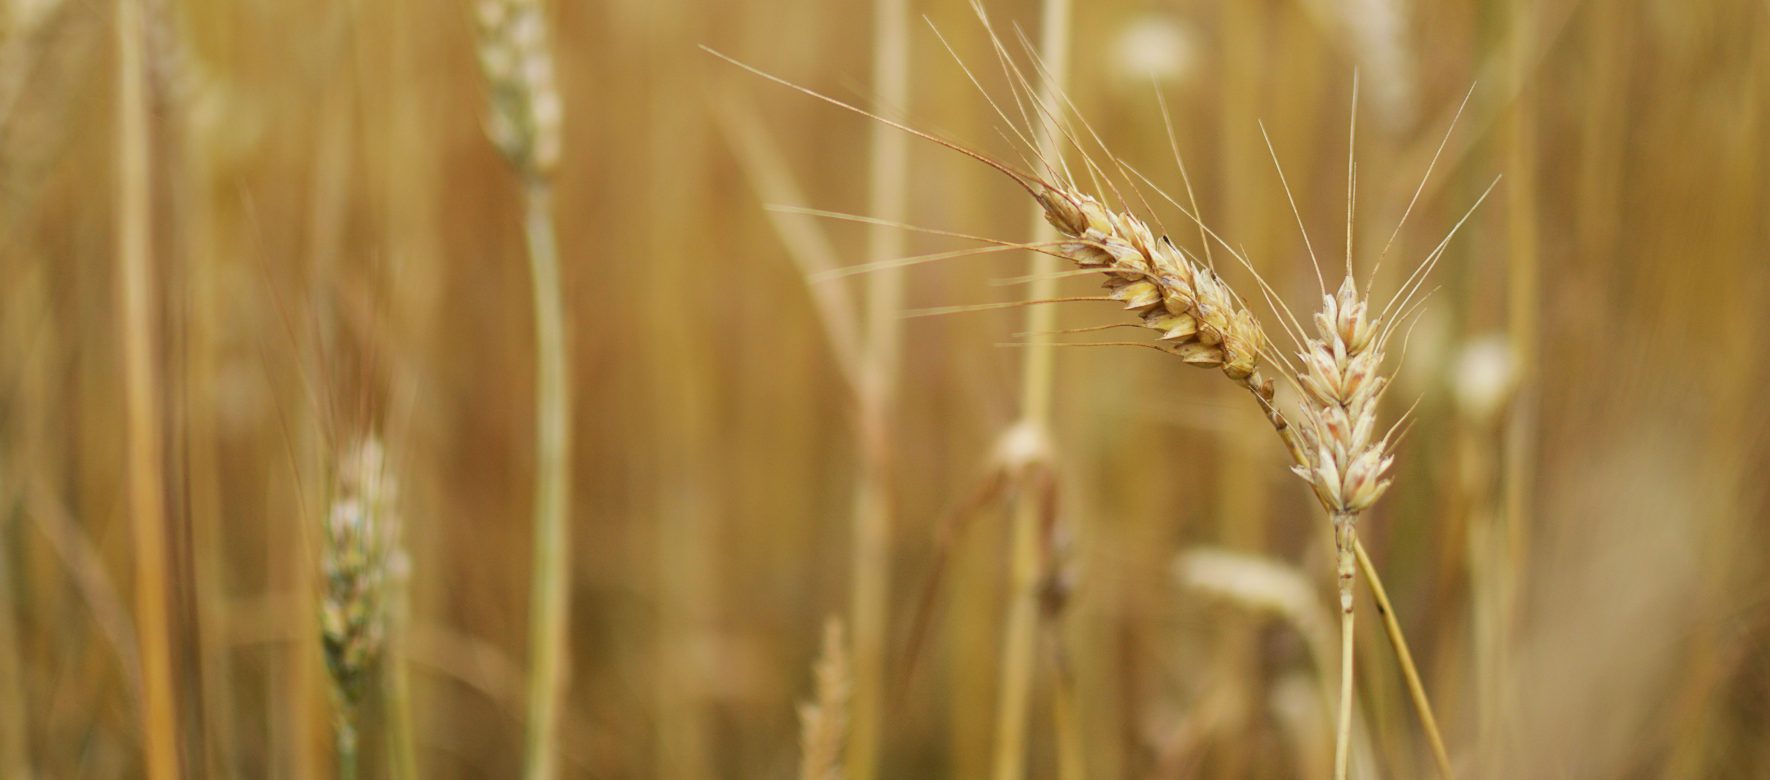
(1507, 567)
(877, 393)
(15, 760)
(1017, 645)
(547, 634)
(396, 686)
(1019, 642)
(1241, 522)
(137, 324)
(1071, 756)
(347, 752)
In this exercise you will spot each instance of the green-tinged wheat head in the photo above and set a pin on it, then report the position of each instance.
(361, 563)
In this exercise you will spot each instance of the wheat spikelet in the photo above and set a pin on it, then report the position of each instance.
(360, 562)
(823, 721)
(517, 62)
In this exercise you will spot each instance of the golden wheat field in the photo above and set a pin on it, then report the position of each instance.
(685, 389)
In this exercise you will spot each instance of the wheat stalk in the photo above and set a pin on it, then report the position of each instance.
(876, 397)
(361, 564)
(137, 322)
(523, 122)
(1020, 635)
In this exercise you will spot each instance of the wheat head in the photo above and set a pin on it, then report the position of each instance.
(360, 562)
(823, 721)
(1341, 378)
(517, 62)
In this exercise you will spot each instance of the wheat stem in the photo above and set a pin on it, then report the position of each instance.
(877, 394)
(1416, 690)
(1021, 633)
(1066, 718)
(1507, 566)
(548, 592)
(397, 690)
(1345, 541)
(1017, 645)
(15, 759)
(344, 729)
(137, 323)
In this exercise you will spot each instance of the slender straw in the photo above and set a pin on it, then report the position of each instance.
(396, 685)
(147, 499)
(344, 729)
(547, 637)
(15, 759)
(1416, 691)
(1021, 635)
(1521, 302)
(1345, 541)
(877, 391)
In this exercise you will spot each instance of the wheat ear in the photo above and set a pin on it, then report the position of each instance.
(823, 721)
(524, 124)
(360, 561)
(1347, 461)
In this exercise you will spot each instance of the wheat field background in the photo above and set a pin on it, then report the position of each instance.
(237, 236)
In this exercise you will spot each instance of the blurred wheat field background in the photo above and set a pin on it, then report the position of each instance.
(238, 240)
